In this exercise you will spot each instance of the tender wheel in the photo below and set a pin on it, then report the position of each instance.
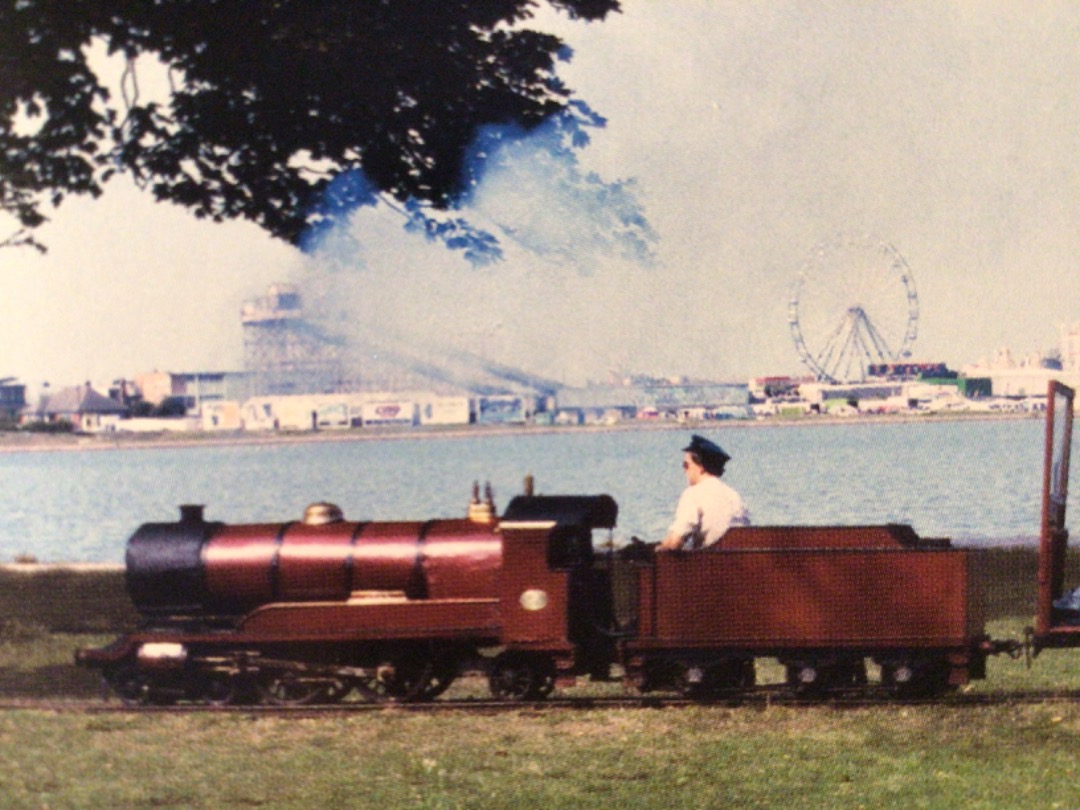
(818, 678)
(517, 676)
(730, 675)
(917, 679)
(288, 688)
(707, 679)
(691, 681)
(846, 674)
(659, 674)
(740, 673)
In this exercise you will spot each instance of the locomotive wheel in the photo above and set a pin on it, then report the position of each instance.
(136, 688)
(220, 689)
(443, 673)
(519, 676)
(288, 688)
(404, 679)
(335, 691)
(130, 685)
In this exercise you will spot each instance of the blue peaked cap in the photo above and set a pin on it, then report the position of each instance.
(706, 449)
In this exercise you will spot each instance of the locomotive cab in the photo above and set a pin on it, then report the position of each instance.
(557, 604)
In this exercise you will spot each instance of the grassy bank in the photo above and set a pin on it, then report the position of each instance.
(65, 599)
(1001, 755)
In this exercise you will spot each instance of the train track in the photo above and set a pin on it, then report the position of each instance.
(759, 699)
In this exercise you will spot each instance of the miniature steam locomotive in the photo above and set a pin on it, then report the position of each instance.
(311, 610)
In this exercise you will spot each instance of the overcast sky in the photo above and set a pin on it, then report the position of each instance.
(755, 132)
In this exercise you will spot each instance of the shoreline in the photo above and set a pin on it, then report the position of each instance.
(21, 442)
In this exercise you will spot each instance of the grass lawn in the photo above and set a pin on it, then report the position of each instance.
(1005, 754)
(1023, 756)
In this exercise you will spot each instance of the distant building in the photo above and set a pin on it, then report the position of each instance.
(12, 398)
(1070, 347)
(762, 388)
(222, 415)
(354, 410)
(194, 388)
(820, 393)
(82, 406)
(909, 371)
(1030, 375)
(730, 398)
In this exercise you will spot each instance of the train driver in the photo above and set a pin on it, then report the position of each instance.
(708, 506)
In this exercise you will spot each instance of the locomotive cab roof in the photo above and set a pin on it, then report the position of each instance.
(590, 511)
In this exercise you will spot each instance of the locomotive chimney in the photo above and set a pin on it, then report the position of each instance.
(191, 513)
(528, 489)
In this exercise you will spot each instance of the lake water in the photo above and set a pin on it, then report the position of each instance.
(978, 482)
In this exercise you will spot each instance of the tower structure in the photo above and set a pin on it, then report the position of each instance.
(1070, 347)
(283, 352)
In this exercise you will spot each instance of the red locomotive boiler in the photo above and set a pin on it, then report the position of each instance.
(314, 609)
(308, 610)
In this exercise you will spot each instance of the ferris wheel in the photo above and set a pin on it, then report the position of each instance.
(853, 305)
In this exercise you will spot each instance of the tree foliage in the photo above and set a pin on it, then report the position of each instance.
(272, 101)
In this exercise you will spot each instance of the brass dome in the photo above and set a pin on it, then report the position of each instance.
(321, 513)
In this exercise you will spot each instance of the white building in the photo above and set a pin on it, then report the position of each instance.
(1029, 376)
(436, 410)
(339, 411)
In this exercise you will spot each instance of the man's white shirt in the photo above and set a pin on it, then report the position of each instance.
(706, 511)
